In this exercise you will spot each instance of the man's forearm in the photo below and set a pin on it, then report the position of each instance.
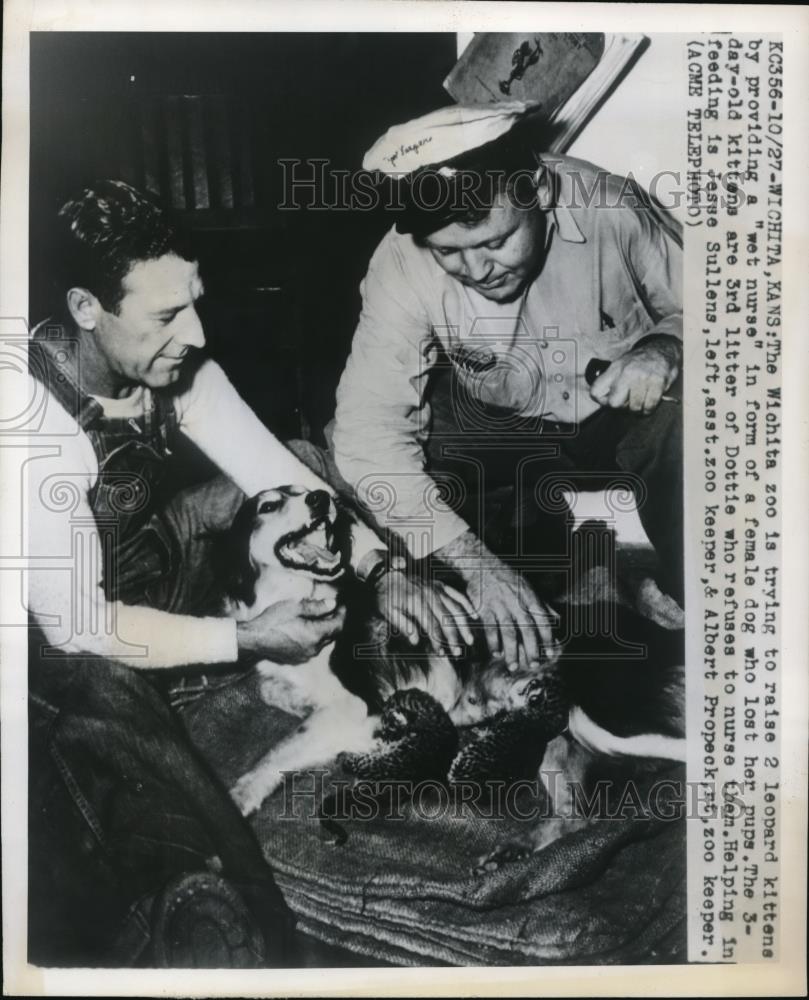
(210, 412)
(142, 637)
(464, 552)
(424, 526)
(670, 345)
(379, 451)
(665, 352)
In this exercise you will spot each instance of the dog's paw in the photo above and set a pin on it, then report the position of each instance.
(247, 793)
(502, 855)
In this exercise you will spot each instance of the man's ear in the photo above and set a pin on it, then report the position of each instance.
(84, 308)
(543, 182)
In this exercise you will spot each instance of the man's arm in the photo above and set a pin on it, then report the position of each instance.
(215, 417)
(517, 627)
(381, 417)
(638, 380)
(379, 450)
(66, 597)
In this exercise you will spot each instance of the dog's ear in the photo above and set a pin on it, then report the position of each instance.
(237, 573)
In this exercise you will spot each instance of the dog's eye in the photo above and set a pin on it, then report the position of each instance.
(268, 506)
(472, 699)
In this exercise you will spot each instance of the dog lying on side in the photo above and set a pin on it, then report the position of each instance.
(292, 543)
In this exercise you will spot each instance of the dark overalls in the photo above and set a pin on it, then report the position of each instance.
(120, 802)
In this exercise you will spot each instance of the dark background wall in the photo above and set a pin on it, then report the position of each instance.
(202, 121)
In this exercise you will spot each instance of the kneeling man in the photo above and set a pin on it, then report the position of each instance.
(521, 329)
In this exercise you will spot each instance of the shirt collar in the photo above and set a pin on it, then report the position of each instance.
(560, 217)
(563, 221)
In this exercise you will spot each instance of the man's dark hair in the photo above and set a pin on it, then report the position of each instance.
(104, 231)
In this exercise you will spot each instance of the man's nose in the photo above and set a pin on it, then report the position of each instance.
(478, 265)
(190, 332)
(318, 502)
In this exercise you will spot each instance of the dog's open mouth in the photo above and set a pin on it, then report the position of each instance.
(312, 548)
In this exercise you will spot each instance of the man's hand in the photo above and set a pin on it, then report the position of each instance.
(291, 631)
(414, 606)
(518, 626)
(638, 379)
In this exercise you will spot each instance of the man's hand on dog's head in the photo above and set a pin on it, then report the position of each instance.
(291, 631)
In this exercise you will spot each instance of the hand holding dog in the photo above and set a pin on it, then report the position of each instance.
(414, 606)
(638, 379)
(291, 631)
(517, 626)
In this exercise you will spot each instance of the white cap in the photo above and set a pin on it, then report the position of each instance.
(441, 135)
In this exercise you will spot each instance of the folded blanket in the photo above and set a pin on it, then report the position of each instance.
(409, 890)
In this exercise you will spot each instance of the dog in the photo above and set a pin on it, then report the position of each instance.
(294, 543)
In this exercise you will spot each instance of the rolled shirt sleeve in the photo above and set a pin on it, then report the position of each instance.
(65, 570)
(382, 418)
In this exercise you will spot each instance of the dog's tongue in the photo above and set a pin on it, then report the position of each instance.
(307, 551)
(313, 550)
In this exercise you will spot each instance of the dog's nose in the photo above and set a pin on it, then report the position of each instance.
(318, 502)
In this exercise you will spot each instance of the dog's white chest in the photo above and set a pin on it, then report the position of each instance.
(300, 688)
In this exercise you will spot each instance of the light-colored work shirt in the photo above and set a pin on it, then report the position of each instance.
(65, 594)
(612, 274)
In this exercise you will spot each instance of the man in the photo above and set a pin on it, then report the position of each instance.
(508, 277)
(137, 855)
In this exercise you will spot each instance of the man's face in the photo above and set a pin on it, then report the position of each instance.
(156, 324)
(499, 255)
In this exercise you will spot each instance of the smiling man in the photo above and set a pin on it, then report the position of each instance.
(125, 375)
(510, 274)
(137, 856)
(152, 330)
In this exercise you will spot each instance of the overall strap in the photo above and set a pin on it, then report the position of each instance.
(53, 359)
(166, 418)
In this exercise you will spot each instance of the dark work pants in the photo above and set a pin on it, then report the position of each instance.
(507, 474)
(119, 801)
